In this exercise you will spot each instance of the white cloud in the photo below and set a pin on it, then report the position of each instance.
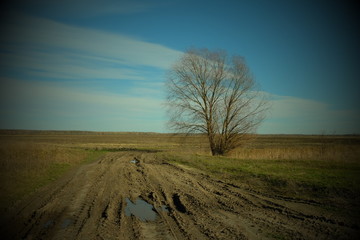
(292, 107)
(297, 115)
(41, 92)
(67, 66)
(26, 104)
(40, 54)
(95, 42)
(74, 52)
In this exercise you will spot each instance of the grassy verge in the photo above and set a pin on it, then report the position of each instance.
(294, 178)
(27, 167)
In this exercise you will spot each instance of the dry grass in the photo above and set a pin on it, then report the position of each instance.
(335, 152)
(271, 147)
(26, 166)
(293, 147)
(19, 157)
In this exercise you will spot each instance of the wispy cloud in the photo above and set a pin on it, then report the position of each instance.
(38, 57)
(297, 115)
(54, 101)
(53, 49)
(41, 91)
(56, 65)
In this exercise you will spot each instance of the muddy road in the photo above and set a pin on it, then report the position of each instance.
(130, 195)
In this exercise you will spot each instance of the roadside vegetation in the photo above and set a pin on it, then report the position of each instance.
(323, 169)
(311, 177)
(26, 166)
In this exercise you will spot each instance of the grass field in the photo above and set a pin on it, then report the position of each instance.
(27, 166)
(320, 167)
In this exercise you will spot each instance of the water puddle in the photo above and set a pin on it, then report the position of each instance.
(140, 209)
(135, 161)
(143, 210)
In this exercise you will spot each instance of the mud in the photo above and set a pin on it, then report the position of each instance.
(90, 202)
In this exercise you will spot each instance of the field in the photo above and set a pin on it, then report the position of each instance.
(273, 187)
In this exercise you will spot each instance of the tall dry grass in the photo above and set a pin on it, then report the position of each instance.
(22, 156)
(325, 152)
(26, 166)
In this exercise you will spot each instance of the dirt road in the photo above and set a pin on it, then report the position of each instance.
(93, 202)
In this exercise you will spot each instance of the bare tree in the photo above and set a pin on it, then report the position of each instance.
(209, 92)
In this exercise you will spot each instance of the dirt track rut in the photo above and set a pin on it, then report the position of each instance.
(89, 203)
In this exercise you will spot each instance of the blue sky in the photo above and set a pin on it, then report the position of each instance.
(100, 65)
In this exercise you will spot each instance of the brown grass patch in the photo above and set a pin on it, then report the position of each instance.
(26, 166)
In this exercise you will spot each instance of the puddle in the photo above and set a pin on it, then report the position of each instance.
(143, 210)
(140, 209)
(134, 161)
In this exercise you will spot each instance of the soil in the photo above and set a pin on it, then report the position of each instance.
(89, 203)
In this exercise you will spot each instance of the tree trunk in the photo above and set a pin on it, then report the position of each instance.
(215, 147)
